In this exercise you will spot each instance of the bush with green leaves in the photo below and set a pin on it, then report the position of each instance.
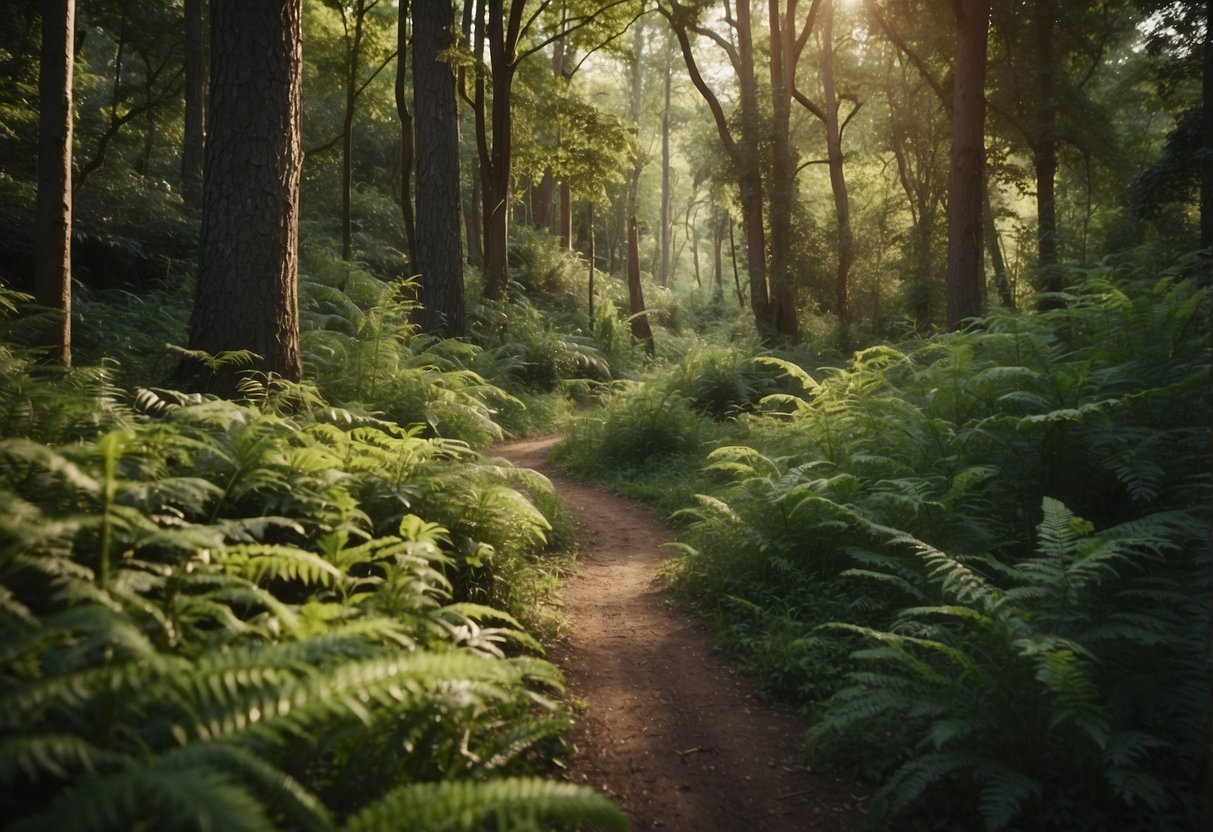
(222, 615)
(1044, 673)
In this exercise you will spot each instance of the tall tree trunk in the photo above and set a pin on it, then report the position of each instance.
(247, 295)
(501, 36)
(736, 274)
(53, 232)
(439, 247)
(566, 216)
(663, 273)
(353, 52)
(965, 278)
(1002, 280)
(717, 259)
(641, 330)
(782, 314)
(838, 180)
(593, 254)
(406, 136)
(1044, 154)
(471, 220)
(195, 101)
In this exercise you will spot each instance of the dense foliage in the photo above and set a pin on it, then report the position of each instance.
(983, 557)
(266, 614)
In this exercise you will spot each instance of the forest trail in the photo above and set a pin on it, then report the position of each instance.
(669, 730)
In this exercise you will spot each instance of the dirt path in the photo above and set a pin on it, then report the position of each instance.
(668, 729)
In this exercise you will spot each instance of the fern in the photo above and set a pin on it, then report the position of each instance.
(522, 804)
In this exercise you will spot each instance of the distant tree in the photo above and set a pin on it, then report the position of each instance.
(53, 265)
(759, 148)
(247, 294)
(829, 112)
(439, 243)
(145, 75)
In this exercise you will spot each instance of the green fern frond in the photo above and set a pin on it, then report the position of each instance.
(147, 795)
(259, 562)
(517, 804)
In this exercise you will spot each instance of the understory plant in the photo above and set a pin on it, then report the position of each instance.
(1006, 529)
(219, 615)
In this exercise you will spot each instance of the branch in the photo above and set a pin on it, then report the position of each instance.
(609, 40)
(805, 102)
(688, 55)
(579, 23)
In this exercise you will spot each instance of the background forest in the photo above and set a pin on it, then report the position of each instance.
(899, 308)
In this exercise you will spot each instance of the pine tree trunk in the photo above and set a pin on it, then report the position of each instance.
(247, 295)
(53, 231)
(965, 278)
(439, 246)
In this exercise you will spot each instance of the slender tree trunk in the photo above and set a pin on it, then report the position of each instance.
(566, 216)
(736, 275)
(593, 254)
(838, 180)
(663, 274)
(195, 101)
(471, 220)
(353, 52)
(543, 195)
(53, 232)
(782, 189)
(641, 330)
(439, 247)
(247, 294)
(406, 136)
(717, 260)
(1044, 154)
(965, 279)
(1002, 280)
(693, 240)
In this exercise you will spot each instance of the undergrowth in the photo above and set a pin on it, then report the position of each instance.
(271, 614)
(981, 559)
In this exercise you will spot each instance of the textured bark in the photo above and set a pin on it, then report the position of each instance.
(641, 330)
(53, 231)
(782, 192)
(247, 296)
(406, 136)
(195, 101)
(965, 278)
(1206, 199)
(439, 246)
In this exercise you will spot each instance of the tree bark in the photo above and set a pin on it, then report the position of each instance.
(353, 52)
(1044, 154)
(247, 295)
(439, 246)
(195, 101)
(406, 136)
(838, 180)
(663, 274)
(965, 278)
(641, 330)
(53, 263)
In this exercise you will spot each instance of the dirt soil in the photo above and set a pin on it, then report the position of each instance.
(669, 729)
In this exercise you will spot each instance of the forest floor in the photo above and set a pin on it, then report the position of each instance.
(669, 729)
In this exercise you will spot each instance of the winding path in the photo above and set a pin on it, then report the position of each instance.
(669, 730)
